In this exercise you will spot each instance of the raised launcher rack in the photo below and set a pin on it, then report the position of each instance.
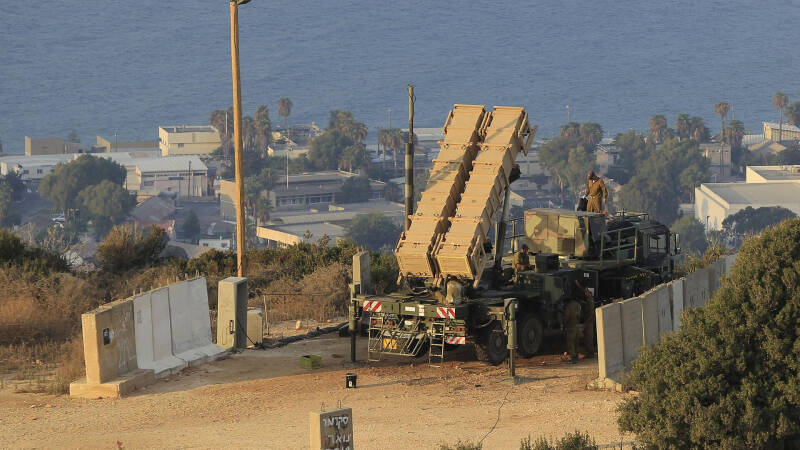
(460, 253)
(463, 130)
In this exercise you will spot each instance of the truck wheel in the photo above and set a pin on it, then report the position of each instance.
(530, 336)
(491, 345)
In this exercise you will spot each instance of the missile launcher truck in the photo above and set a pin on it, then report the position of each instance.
(456, 283)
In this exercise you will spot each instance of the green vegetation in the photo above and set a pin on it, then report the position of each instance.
(128, 247)
(466, 445)
(374, 231)
(572, 155)
(191, 226)
(665, 176)
(692, 235)
(284, 109)
(793, 114)
(730, 378)
(105, 204)
(571, 441)
(354, 190)
(750, 221)
(779, 102)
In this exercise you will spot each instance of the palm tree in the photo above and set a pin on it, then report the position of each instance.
(263, 128)
(779, 102)
(682, 126)
(569, 130)
(591, 133)
(284, 109)
(699, 131)
(735, 132)
(793, 114)
(658, 128)
(721, 108)
(396, 139)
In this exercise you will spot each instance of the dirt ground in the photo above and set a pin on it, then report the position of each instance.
(262, 399)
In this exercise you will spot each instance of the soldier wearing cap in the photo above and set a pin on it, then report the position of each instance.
(597, 193)
(522, 260)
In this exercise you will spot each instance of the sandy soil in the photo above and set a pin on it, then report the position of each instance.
(261, 399)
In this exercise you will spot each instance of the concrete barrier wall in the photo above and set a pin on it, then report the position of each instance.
(160, 331)
(624, 327)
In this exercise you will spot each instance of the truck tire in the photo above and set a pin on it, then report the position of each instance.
(491, 345)
(529, 334)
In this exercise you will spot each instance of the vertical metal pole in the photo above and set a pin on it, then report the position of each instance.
(511, 324)
(410, 160)
(237, 131)
(353, 328)
(500, 236)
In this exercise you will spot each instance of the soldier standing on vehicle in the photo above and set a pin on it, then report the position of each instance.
(522, 260)
(597, 193)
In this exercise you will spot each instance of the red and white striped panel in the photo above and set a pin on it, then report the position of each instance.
(445, 313)
(373, 306)
(455, 340)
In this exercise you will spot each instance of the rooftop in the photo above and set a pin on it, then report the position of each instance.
(190, 129)
(783, 173)
(786, 126)
(755, 194)
(337, 213)
(169, 164)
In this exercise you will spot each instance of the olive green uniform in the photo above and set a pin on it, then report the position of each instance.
(572, 318)
(521, 259)
(597, 193)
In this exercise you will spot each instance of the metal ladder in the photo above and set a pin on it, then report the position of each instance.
(375, 338)
(436, 347)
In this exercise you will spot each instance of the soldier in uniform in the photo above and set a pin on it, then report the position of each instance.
(597, 193)
(522, 260)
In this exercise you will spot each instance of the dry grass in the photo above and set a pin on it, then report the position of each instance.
(41, 367)
(320, 296)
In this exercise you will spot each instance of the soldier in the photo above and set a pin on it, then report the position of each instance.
(597, 193)
(521, 259)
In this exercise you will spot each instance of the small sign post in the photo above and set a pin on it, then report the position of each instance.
(331, 429)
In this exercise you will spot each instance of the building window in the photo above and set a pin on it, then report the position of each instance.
(39, 171)
(377, 195)
(314, 199)
(327, 198)
(180, 145)
(147, 183)
(24, 172)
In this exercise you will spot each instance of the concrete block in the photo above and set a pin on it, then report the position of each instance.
(610, 358)
(190, 323)
(115, 388)
(164, 362)
(695, 289)
(232, 313)
(109, 342)
(663, 299)
(676, 298)
(716, 271)
(632, 329)
(154, 335)
(255, 327)
(730, 260)
(650, 327)
(361, 271)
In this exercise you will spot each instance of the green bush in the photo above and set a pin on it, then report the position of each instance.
(571, 441)
(461, 446)
(730, 378)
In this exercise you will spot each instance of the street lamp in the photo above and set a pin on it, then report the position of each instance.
(237, 131)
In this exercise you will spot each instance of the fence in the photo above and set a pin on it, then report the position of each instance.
(623, 328)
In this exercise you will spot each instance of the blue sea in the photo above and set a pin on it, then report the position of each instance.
(127, 67)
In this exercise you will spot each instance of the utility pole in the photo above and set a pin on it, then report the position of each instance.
(409, 159)
(237, 131)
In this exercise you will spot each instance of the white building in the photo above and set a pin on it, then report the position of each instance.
(716, 201)
(773, 174)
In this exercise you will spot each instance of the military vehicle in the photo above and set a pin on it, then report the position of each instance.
(455, 280)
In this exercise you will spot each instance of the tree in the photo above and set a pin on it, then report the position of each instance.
(128, 247)
(355, 190)
(658, 128)
(750, 221)
(591, 133)
(191, 226)
(735, 133)
(682, 126)
(355, 155)
(571, 155)
(284, 109)
(374, 231)
(67, 180)
(730, 377)
(569, 130)
(579, 163)
(106, 204)
(699, 130)
(793, 114)
(664, 178)
(721, 108)
(327, 149)
(222, 120)
(6, 203)
(263, 129)
(779, 102)
(692, 235)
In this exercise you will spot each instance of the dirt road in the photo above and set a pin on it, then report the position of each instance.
(261, 399)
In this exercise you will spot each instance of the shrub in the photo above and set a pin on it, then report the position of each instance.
(571, 441)
(730, 378)
(127, 247)
(467, 445)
